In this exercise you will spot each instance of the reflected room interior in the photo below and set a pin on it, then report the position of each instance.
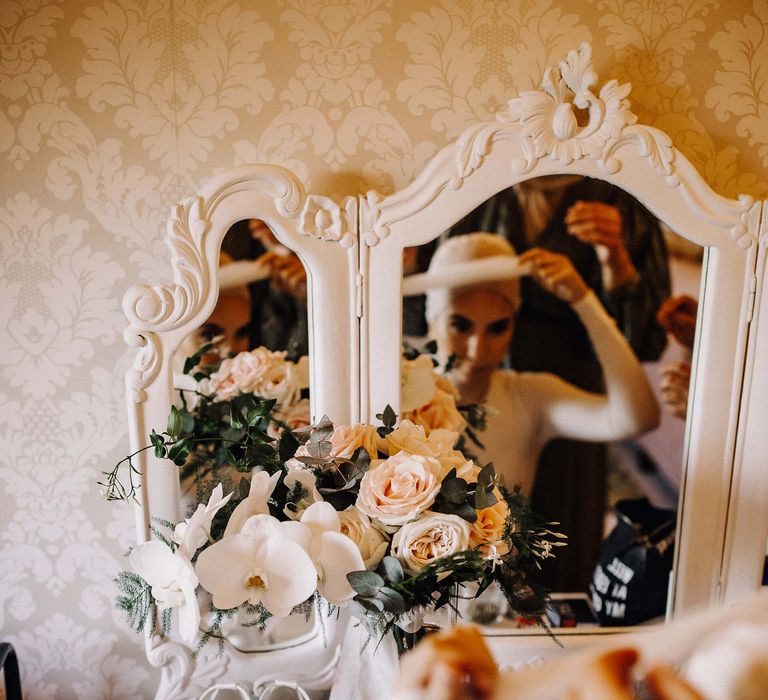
(262, 304)
(577, 483)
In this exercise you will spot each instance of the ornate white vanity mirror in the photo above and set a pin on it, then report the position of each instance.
(353, 255)
(165, 317)
(576, 126)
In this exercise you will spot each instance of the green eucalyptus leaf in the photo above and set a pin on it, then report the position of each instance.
(454, 490)
(287, 446)
(370, 605)
(483, 498)
(487, 476)
(323, 430)
(175, 423)
(365, 583)
(391, 569)
(392, 600)
(355, 608)
(362, 459)
(465, 512)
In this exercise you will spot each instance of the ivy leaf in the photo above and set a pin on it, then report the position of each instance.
(179, 451)
(191, 362)
(365, 583)
(391, 569)
(158, 444)
(235, 418)
(187, 422)
(175, 423)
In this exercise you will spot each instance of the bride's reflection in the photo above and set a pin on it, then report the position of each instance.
(262, 295)
(619, 250)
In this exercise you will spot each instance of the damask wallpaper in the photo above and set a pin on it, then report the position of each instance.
(112, 111)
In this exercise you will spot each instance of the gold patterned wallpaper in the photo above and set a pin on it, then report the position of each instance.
(111, 111)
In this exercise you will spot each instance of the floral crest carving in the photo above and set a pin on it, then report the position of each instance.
(322, 218)
(553, 116)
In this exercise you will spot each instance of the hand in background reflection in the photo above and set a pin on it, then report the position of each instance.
(600, 225)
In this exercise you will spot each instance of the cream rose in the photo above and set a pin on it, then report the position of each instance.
(412, 438)
(261, 372)
(348, 438)
(371, 541)
(396, 490)
(429, 538)
(489, 527)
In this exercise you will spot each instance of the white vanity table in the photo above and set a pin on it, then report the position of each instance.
(352, 251)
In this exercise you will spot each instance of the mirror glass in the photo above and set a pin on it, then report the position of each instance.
(261, 311)
(525, 354)
(254, 342)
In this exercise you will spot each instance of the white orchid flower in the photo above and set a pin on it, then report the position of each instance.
(173, 582)
(255, 503)
(261, 564)
(194, 532)
(333, 554)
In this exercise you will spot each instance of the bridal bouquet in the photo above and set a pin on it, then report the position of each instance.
(385, 520)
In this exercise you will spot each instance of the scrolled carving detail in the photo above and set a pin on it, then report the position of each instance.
(162, 307)
(322, 218)
(184, 676)
(146, 364)
(550, 117)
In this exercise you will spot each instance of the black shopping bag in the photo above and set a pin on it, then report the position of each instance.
(630, 582)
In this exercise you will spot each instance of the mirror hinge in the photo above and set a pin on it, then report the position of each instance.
(359, 295)
(752, 290)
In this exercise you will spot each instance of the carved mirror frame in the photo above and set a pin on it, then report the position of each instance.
(352, 251)
(721, 525)
(324, 236)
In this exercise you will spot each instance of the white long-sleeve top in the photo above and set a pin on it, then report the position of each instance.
(527, 409)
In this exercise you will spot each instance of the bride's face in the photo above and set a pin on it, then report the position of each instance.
(477, 328)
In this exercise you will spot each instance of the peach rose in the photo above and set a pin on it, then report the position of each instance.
(348, 438)
(441, 411)
(295, 417)
(413, 438)
(371, 541)
(417, 383)
(454, 459)
(396, 490)
(429, 538)
(489, 527)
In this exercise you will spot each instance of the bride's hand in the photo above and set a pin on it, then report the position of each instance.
(555, 273)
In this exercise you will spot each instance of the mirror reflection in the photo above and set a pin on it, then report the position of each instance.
(254, 342)
(568, 311)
